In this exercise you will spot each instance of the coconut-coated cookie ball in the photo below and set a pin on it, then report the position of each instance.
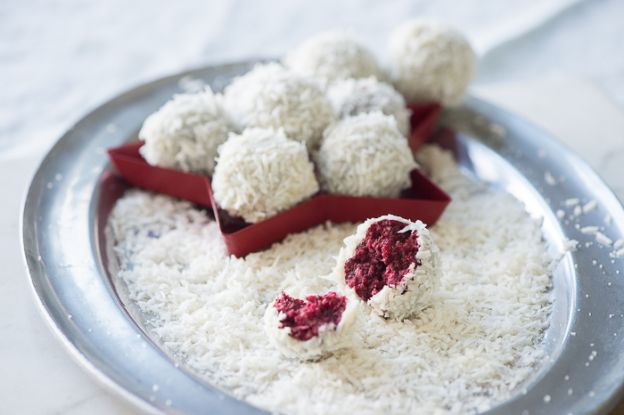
(430, 62)
(186, 132)
(392, 264)
(365, 155)
(310, 328)
(270, 96)
(260, 173)
(350, 97)
(330, 56)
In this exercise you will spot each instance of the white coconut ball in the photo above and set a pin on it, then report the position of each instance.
(365, 155)
(350, 97)
(260, 173)
(331, 56)
(306, 329)
(395, 277)
(186, 132)
(269, 96)
(430, 62)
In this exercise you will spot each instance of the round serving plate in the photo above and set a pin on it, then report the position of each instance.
(73, 275)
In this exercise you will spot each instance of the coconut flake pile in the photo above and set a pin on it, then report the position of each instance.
(481, 337)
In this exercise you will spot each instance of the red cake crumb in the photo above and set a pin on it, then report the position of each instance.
(382, 258)
(305, 317)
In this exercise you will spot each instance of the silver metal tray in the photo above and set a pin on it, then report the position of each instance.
(65, 249)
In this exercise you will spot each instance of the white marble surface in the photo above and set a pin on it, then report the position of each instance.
(558, 63)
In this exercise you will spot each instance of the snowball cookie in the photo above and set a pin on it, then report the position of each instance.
(356, 96)
(312, 328)
(186, 132)
(430, 62)
(260, 173)
(365, 155)
(269, 96)
(392, 264)
(331, 56)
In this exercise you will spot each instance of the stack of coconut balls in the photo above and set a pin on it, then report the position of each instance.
(390, 264)
(328, 117)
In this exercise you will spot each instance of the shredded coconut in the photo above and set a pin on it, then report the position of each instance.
(356, 96)
(413, 292)
(270, 96)
(430, 62)
(571, 202)
(589, 206)
(590, 230)
(191, 85)
(548, 178)
(618, 253)
(186, 132)
(260, 173)
(365, 155)
(603, 239)
(482, 336)
(570, 245)
(332, 56)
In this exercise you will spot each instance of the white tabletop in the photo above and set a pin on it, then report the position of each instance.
(65, 58)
